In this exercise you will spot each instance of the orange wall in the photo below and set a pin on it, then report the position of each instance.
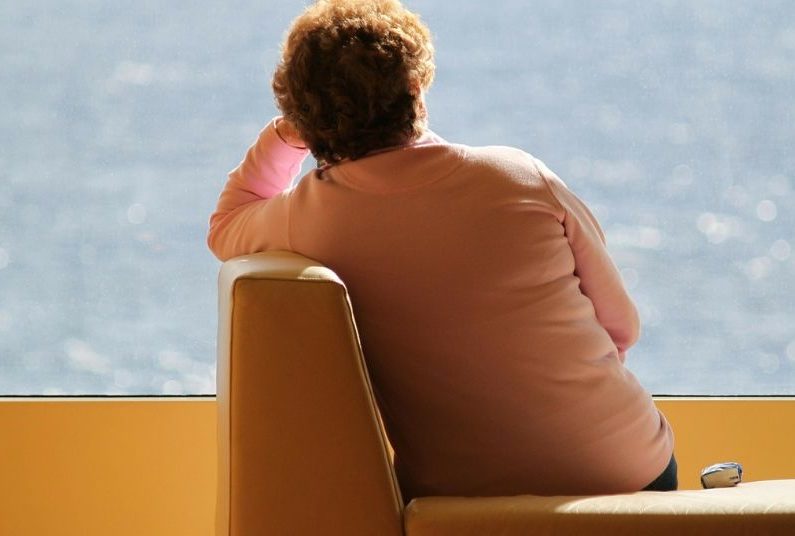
(107, 467)
(118, 467)
(759, 433)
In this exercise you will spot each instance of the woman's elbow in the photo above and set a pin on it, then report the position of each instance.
(629, 333)
(215, 244)
(218, 236)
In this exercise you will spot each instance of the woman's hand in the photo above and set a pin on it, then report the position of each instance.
(289, 134)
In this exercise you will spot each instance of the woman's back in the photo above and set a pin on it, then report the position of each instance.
(492, 370)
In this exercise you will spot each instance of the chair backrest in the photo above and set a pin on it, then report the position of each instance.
(301, 449)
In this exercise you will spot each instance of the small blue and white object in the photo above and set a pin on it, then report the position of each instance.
(722, 475)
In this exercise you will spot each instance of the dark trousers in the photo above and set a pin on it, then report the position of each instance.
(667, 481)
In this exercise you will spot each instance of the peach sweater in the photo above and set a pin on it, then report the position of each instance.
(493, 320)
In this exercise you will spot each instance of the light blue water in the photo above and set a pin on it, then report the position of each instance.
(118, 123)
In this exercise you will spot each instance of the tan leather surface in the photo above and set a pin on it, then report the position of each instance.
(300, 447)
(754, 508)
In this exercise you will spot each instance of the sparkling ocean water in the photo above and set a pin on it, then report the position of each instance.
(119, 121)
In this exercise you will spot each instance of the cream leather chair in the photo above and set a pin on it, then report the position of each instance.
(302, 450)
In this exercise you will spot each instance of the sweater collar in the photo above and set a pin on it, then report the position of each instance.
(425, 160)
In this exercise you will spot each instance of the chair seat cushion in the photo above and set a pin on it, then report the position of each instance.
(754, 508)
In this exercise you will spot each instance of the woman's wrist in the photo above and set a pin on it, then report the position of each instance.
(288, 133)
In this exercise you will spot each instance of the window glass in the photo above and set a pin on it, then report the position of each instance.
(119, 121)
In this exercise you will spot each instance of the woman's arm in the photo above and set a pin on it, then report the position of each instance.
(599, 277)
(251, 215)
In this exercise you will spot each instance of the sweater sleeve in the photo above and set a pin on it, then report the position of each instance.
(253, 209)
(599, 277)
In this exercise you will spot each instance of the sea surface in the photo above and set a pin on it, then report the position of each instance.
(674, 120)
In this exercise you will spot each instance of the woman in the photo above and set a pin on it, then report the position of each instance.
(494, 322)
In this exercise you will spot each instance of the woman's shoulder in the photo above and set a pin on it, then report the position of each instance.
(507, 163)
(504, 154)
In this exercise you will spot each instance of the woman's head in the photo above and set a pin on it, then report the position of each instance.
(352, 75)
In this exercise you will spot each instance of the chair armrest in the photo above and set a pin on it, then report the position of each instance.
(300, 447)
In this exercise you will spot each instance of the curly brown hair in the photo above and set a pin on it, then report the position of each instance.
(351, 76)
